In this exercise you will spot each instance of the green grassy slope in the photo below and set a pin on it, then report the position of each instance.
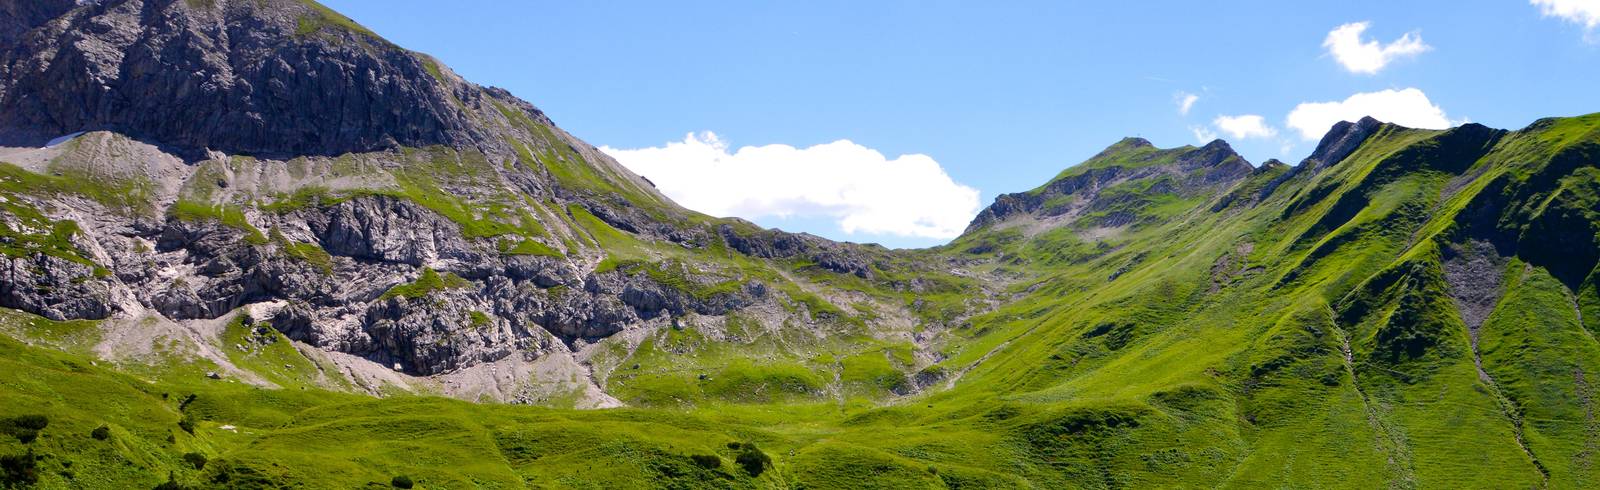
(1313, 336)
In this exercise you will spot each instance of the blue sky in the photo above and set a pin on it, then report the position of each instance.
(1000, 96)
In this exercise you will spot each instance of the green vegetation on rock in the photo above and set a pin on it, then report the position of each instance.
(429, 282)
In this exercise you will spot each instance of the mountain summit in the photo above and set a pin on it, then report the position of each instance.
(278, 78)
(249, 243)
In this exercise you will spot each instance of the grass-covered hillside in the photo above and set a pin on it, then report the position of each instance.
(1417, 314)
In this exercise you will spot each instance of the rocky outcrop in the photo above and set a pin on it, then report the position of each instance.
(387, 229)
(256, 77)
(55, 288)
(486, 307)
(1343, 138)
(1338, 143)
(843, 258)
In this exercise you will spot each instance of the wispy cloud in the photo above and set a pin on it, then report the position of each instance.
(1369, 57)
(1582, 12)
(1185, 102)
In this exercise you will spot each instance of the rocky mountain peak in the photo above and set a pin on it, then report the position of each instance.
(256, 77)
(1343, 138)
(1186, 171)
(1217, 152)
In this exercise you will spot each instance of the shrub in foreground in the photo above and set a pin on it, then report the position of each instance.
(752, 459)
(707, 461)
(24, 427)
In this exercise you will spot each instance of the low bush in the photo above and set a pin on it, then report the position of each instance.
(24, 427)
(196, 459)
(707, 461)
(18, 470)
(752, 459)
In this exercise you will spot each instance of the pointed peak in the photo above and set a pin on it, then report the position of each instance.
(1340, 140)
(1217, 145)
(1215, 153)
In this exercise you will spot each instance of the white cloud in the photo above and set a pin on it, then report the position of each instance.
(1582, 12)
(1407, 107)
(1368, 57)
(1203, 134)
(1245, 126)
(1185, 102)
(859, 188)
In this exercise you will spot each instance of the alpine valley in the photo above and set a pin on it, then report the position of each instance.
(252, 244)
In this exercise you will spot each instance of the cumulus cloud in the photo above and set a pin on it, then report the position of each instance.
(1582, 12)
(857, 187)
(1368, 57)
(1407, 107)
(1245, 126)
(1185, 102)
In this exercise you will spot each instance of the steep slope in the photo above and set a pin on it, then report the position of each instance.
(1383, 312)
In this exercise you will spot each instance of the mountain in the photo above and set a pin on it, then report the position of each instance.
(252, 244)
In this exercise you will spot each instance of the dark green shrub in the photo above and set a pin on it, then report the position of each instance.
(18, 470)
(707, 461)
(187, 424)
(196, 459)
(753, 460)
(401, 481)
(24, 427)
(101, 433)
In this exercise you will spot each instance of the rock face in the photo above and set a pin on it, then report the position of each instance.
(268, 77)
(483, 306)
(55, 288)
(771, 244)
(1343, 138)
